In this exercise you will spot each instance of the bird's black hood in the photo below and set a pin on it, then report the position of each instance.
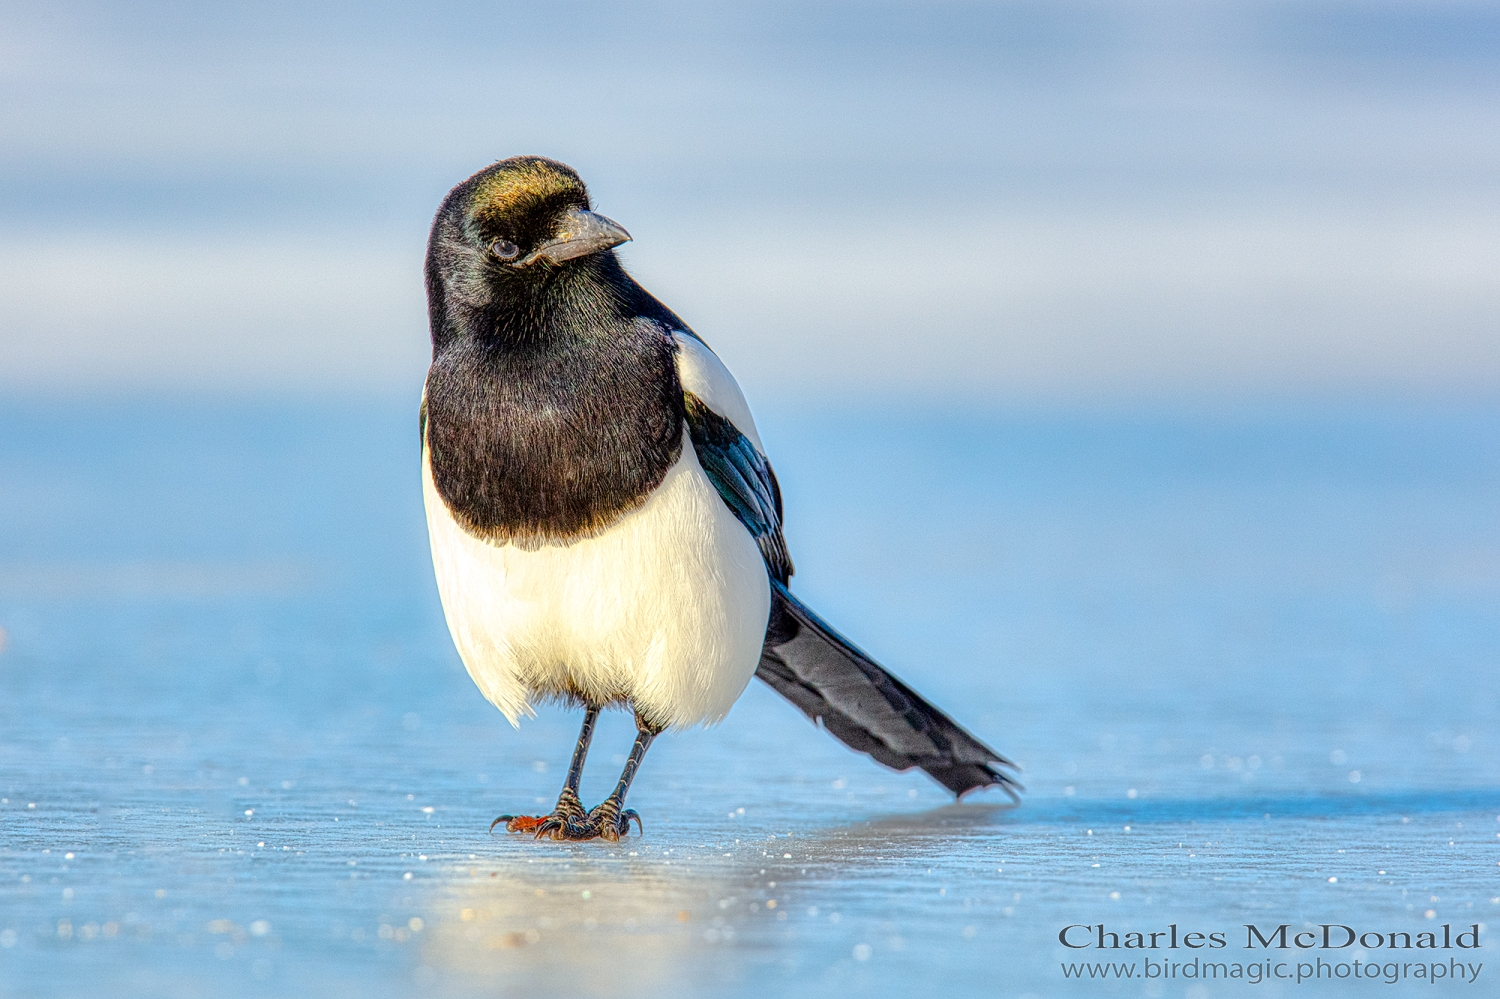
(553, 406)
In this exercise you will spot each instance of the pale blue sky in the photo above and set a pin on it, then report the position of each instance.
(1033, 201)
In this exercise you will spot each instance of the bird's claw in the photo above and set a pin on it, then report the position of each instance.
(520, 823)
(611, 823)
(567, 821)
(564, 827)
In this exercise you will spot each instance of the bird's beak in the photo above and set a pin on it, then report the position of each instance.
(582, 233)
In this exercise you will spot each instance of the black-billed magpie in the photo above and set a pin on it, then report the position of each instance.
(605, 527)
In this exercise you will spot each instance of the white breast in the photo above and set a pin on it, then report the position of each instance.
(667, 608)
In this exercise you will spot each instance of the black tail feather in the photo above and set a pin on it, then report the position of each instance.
(867, 708)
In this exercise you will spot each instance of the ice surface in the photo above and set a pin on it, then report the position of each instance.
(1247, 661)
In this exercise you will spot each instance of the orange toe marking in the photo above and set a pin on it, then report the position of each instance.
(526, 823)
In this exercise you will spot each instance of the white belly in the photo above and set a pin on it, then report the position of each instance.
(666, 609)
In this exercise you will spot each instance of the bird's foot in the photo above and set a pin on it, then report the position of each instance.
(611, 822)
(567, 821)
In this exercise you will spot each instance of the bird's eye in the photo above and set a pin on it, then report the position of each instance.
(505, 249)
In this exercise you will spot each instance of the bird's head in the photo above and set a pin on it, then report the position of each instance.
(511, 227)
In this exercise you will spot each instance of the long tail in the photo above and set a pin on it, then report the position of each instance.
(865, 707)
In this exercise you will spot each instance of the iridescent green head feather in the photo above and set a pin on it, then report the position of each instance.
(518, 197)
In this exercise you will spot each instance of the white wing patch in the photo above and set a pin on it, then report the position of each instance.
(703, 374)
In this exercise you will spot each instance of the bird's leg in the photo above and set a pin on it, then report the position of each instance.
(568, 820)
(610, 818)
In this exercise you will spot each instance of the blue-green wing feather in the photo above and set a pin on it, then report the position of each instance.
(809, 663)
(744, 479)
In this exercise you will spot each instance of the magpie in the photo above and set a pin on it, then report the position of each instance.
(605, 527)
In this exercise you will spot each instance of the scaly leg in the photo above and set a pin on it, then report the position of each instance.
(568, 820)
(610, 819)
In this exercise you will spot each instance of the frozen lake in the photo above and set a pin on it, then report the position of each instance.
(1247, 661)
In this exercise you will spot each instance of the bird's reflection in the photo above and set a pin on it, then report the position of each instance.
(670, 916)
(636, 919)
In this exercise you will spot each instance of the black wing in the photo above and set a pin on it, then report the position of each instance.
(745, 480)
(817, 669)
